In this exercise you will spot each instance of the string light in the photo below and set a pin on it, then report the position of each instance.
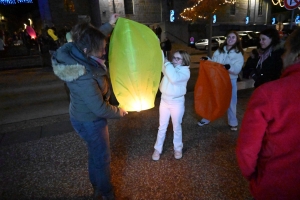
(188, 13)
(24, 1)
(280, 3)
(9, 2)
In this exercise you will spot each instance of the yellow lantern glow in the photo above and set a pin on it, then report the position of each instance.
(135, 63)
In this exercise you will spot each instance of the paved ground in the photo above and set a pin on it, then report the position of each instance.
(47, 160)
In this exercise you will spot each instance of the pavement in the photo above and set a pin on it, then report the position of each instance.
(44, 158)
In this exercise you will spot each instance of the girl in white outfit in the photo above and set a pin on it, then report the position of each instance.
(173, 89)
(230, 54)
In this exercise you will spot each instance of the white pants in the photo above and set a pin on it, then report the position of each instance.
(175, 109)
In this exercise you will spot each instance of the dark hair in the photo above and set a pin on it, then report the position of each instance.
(293, 41)
(237, 46)
(84, 35)
(273, 35)
(185, 57)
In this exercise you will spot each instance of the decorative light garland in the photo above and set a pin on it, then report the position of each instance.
(9, 2)
(280, 3)
(186, 11)
(24, 1)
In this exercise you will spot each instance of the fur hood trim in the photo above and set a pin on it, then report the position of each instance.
(68, 73)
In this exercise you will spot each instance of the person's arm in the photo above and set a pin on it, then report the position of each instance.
(107, 27)
(235, 64)
(252, 132)
(91, 94)
(175, 76)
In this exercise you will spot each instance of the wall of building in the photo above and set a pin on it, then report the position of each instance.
(67, 14)
(225, 21)
(156, 12)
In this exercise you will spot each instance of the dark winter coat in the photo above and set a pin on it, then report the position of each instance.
(88, 83)
(270, 69)
(268, 147)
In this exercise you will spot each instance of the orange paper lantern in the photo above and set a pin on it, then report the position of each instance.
(212, 94)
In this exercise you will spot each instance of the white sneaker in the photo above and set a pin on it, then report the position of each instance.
(202, 123)
(155, 155)
(178, 154)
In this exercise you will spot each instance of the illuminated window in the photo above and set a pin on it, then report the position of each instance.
(232, 9)
(128, 4)
(260, 7)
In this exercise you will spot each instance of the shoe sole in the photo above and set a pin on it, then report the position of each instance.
(202, 124)
(155, 159)
(233, 128)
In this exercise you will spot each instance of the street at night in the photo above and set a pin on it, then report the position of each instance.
(64, 65)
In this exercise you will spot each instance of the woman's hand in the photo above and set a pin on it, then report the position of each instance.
(113, 18)
(227, 66)
(122, 112)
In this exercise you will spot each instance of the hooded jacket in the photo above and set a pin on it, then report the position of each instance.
(88, 83)
(268, 147)
(173, 84)
(234, 59)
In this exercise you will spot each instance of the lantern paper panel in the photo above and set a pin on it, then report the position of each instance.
(212, 94)
(31, 32)
(135, 63)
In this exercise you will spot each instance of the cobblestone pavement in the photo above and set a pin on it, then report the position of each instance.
(54, 165)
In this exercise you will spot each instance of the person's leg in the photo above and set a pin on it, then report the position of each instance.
(231, 112)
(177, 110)
(97, 138)
(164, 117)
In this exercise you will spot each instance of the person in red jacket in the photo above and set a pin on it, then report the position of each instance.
(268, 146)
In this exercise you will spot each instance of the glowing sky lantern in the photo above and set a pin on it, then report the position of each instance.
(31, 32)
(135, 63)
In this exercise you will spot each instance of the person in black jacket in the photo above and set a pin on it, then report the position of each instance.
(80, 64)
(166, 46)
(158, 32)
(251, 64)
(269, 65)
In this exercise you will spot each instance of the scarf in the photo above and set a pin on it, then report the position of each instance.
(263, 56)
(100, 61)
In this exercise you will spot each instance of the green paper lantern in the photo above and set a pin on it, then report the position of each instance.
(135, 63)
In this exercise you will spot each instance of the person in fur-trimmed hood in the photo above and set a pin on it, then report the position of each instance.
(269, 65)
(80, 65)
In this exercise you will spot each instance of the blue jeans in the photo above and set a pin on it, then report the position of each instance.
(95, 134)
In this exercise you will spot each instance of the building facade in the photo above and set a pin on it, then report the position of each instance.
(157, 12)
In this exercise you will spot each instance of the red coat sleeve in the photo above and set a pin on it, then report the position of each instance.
(252, 132)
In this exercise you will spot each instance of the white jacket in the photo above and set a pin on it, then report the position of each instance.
(234, 59)
(173, 84)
